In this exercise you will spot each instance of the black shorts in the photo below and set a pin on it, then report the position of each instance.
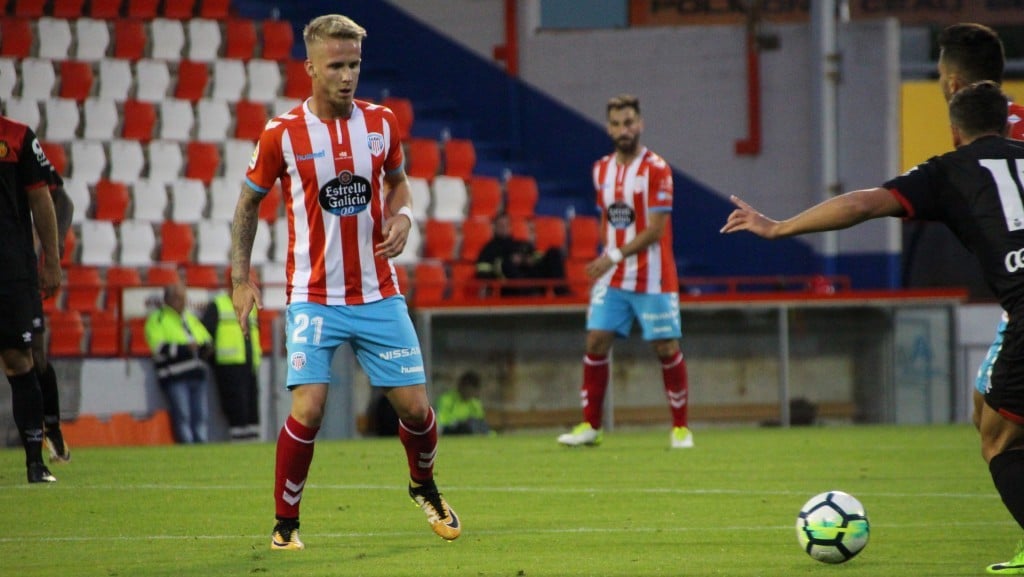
(19, 306)
(1006, 394)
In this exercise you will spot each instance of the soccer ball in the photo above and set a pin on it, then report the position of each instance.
(832, 527)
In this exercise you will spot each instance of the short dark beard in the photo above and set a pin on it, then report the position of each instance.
(629, 148)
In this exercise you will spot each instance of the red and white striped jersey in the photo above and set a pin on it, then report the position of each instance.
(1015, 119)
(332, 179)
(626, 196)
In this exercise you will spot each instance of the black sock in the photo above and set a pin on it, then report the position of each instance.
(1007, 470)
(51, 406)
(27, 403)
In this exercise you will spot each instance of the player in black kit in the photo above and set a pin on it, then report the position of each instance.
(978, 192)
(25, 201)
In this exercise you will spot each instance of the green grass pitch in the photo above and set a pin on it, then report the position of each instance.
(529, 507)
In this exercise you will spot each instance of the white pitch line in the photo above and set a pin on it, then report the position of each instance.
(483, 532)
(470, 489)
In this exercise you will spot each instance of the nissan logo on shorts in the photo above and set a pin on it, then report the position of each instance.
(1014, 260)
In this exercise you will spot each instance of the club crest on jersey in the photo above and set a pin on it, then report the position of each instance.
(4, 149)
(345, 195)
(375, 141)
(621, 215)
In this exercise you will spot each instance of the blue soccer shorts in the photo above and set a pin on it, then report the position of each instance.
(613, 309)
(984, 379)
(381, 335)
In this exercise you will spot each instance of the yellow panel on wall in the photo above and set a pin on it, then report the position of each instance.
(925, 122)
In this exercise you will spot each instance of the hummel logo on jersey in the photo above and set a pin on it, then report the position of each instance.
(311, 156)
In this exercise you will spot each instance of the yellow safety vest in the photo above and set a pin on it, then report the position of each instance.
(229, 340)
(168, 341)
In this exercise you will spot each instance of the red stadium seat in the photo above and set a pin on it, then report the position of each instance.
(105, 9)
(423, 158)
(584, 237)
(75, 79)
(119, 277)
(214, 9)
(240, 39)
(459, 157)
(270, 206)
(143, 9)
(576, 274)
(84, 287)
(476, 232)
(250, 118)
(202, 276)
(278, 37)
(176, 242)
(203, 161)
(112, 199)
(403, 109)
(29, 8)
(162, 275)
(17, 38)
(104, 334)
(266, 320)
(549, 232)
(70, 243)
(67, 9)
(139, 120)
(137, 345)
(192, 80)
(67, 333)
(520, 226)
(297, 83)
(464, 283)
(484, 197)
(430, 280)
(57, 156)
(179, 9)
(439, 240)
(129, 39)
(520, 196)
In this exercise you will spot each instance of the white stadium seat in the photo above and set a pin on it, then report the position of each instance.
(101, 118)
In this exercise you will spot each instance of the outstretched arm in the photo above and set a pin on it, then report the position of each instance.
(836, 213)
(244, 294)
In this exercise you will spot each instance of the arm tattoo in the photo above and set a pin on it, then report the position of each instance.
(243, 232)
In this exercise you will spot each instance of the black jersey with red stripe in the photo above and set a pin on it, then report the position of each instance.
(978, 192)
(23, 166)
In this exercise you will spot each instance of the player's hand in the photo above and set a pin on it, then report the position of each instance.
(50, 278)
(746, 217)
(599, 266)
(396, 233)
(244, 296)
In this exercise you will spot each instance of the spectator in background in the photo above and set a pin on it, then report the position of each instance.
(236, 366)
(26, 205)
(507, 258)
(180, 344)
(459, 411)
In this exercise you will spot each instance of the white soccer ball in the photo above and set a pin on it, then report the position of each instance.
(832, 527)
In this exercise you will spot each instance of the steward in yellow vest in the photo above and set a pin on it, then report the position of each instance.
(236, 363)
(179, 344)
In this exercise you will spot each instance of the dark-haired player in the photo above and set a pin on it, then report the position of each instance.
(977, 191)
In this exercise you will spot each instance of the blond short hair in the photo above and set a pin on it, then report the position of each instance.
(332, 26)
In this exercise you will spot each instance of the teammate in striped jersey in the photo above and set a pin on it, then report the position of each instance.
(635, 278)
(349, 212)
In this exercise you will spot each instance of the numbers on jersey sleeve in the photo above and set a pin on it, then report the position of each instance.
(303, 322)
(1010, 193)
